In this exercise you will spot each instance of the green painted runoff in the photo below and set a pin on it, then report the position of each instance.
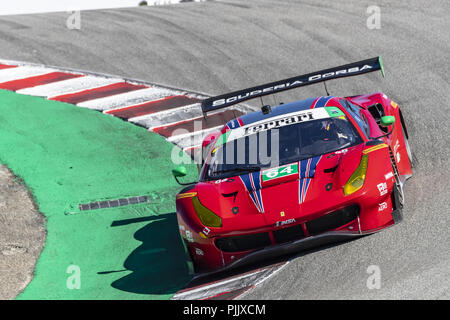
(68, 156)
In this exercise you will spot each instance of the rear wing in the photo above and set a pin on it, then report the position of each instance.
(348, 70)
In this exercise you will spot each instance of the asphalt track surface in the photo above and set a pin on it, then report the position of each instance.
(215, 47)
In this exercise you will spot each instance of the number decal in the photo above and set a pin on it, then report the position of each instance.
(279, 172)
(287, 170)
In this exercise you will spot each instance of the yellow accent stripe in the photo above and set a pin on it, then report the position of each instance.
(186, 195)
(380, 146)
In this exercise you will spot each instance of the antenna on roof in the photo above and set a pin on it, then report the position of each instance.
(265, 108)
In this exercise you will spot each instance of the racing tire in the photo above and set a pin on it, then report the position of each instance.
(397, 211)
(398, 186)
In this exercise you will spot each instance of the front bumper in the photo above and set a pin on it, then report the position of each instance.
(297, 246)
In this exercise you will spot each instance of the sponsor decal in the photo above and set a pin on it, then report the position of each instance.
(389, 175)
(382, 188)
(396, 146)
(343, 151)
(283, 223)
(224, 180)
(235, 210)
(279, 172)
(382, 206)
(292, 83)
(198, 251)
(189, 236)
(257, 92)
(232, 124)
(334, 112)
(397, 154)
(277, 123)
(206, 231)
(282, 214)
(328, 186)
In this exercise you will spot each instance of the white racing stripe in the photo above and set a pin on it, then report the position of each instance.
(126, 99)
(22, 72)
(68, 86)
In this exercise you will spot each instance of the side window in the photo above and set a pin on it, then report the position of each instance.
(366, 127)
(355, 112)
(377, 112)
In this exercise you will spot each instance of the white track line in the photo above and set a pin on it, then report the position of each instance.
(68, 86)
(22, 72)
(189, 139)
(133, 98)
(207, 291)
(126, 99)
(248, 280)
(176, 115)
(191, 147)
(168, 117)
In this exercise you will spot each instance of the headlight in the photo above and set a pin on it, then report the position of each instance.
(206, 216)
(356, 180)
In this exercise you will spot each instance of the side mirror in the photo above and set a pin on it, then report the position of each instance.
(178, 172)
(386, 121)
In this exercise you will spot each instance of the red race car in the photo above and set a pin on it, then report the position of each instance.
(295, 176)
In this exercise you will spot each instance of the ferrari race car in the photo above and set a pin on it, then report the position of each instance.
(295, 176)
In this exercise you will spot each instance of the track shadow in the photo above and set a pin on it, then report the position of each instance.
(158, 265)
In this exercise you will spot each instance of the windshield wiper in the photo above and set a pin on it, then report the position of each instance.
(239, 169)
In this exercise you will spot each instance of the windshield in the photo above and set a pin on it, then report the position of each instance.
(279, 146)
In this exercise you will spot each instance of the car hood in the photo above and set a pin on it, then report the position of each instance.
(290, 193)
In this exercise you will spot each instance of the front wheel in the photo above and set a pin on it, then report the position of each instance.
(398, 187)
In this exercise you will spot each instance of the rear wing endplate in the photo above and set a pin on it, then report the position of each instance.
(348, 70)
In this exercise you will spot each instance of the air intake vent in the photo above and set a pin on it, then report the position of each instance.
(244, 243)
(288, 234)
(333, 220)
